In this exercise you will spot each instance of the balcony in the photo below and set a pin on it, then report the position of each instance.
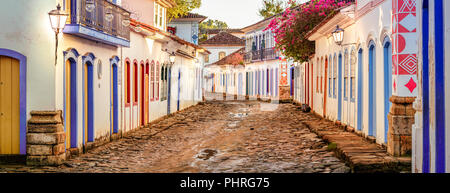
(96, 26)
(261, 55)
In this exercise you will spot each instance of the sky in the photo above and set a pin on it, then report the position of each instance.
(236, 13)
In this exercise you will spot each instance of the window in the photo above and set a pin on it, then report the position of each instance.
(221, 55)
(352, 75)
(152, 81)
(163, 82)
(66, 8)
(317, 75)
(345, 75)
(328, 61)
(321, 75)
(157, 81)
(335, 64)
(207, 59)
(160, 17)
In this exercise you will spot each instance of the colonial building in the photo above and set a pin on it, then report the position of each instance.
(110, 70)
(227, 76)
(431, 130)
(367, 80)
(186, 27)
(221, 45)
(267, 72)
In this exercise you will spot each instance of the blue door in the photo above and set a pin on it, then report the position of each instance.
(115, 100)
(360, 89)
(339, 87)
(426, 92)
(372, 90)
(387, 49)
(440, 86)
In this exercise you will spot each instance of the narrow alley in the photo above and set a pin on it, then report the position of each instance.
(215, 136)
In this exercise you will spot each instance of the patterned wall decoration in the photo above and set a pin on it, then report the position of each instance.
(404, 49)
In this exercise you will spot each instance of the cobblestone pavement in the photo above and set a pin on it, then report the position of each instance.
(218, 136)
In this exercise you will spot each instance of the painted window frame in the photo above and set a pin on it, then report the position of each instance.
(157, 77)
(346, 65)
(353, 75)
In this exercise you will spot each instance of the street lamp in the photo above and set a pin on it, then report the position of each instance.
(338, 35)
(172, 58)
(58, 21)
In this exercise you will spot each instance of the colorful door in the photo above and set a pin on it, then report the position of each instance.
(339, 86)
(387, 49)
(325, 89)
(115, 100)
(169, 95)
(70, 104)
(142, 105)
(146, 102)
(372, 90)
(360, 89)
(88, 103)
(372, 105)
(9, 106)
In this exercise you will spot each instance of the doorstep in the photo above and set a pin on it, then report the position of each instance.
(362, 155)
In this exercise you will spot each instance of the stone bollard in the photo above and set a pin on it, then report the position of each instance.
(45, 138)
(401, 119)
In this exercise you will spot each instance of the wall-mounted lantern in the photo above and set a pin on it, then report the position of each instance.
(338, 35)
(58, 21)
(172, 58)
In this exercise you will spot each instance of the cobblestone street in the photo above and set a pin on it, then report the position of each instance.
(217, 136)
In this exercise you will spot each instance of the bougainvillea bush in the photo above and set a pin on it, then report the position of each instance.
(291, 27)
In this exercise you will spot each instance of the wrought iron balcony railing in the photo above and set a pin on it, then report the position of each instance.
(261, 55)
(100, 18)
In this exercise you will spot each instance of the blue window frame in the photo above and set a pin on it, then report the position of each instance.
(352, 76)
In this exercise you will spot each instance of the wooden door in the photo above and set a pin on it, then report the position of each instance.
(325, 89)
(9, 106)
(146, 102)
(68, 103)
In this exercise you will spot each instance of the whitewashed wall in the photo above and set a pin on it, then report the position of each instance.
(374, 25)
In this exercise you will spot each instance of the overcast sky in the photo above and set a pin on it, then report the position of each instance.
(236, 13)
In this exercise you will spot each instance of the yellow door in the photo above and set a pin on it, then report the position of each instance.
(9, 106)
(146, 104)
(68, 104)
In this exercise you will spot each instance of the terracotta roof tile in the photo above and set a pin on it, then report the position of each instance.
(235, 58)
(216, 31)
(191, 16)
(224, 38)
